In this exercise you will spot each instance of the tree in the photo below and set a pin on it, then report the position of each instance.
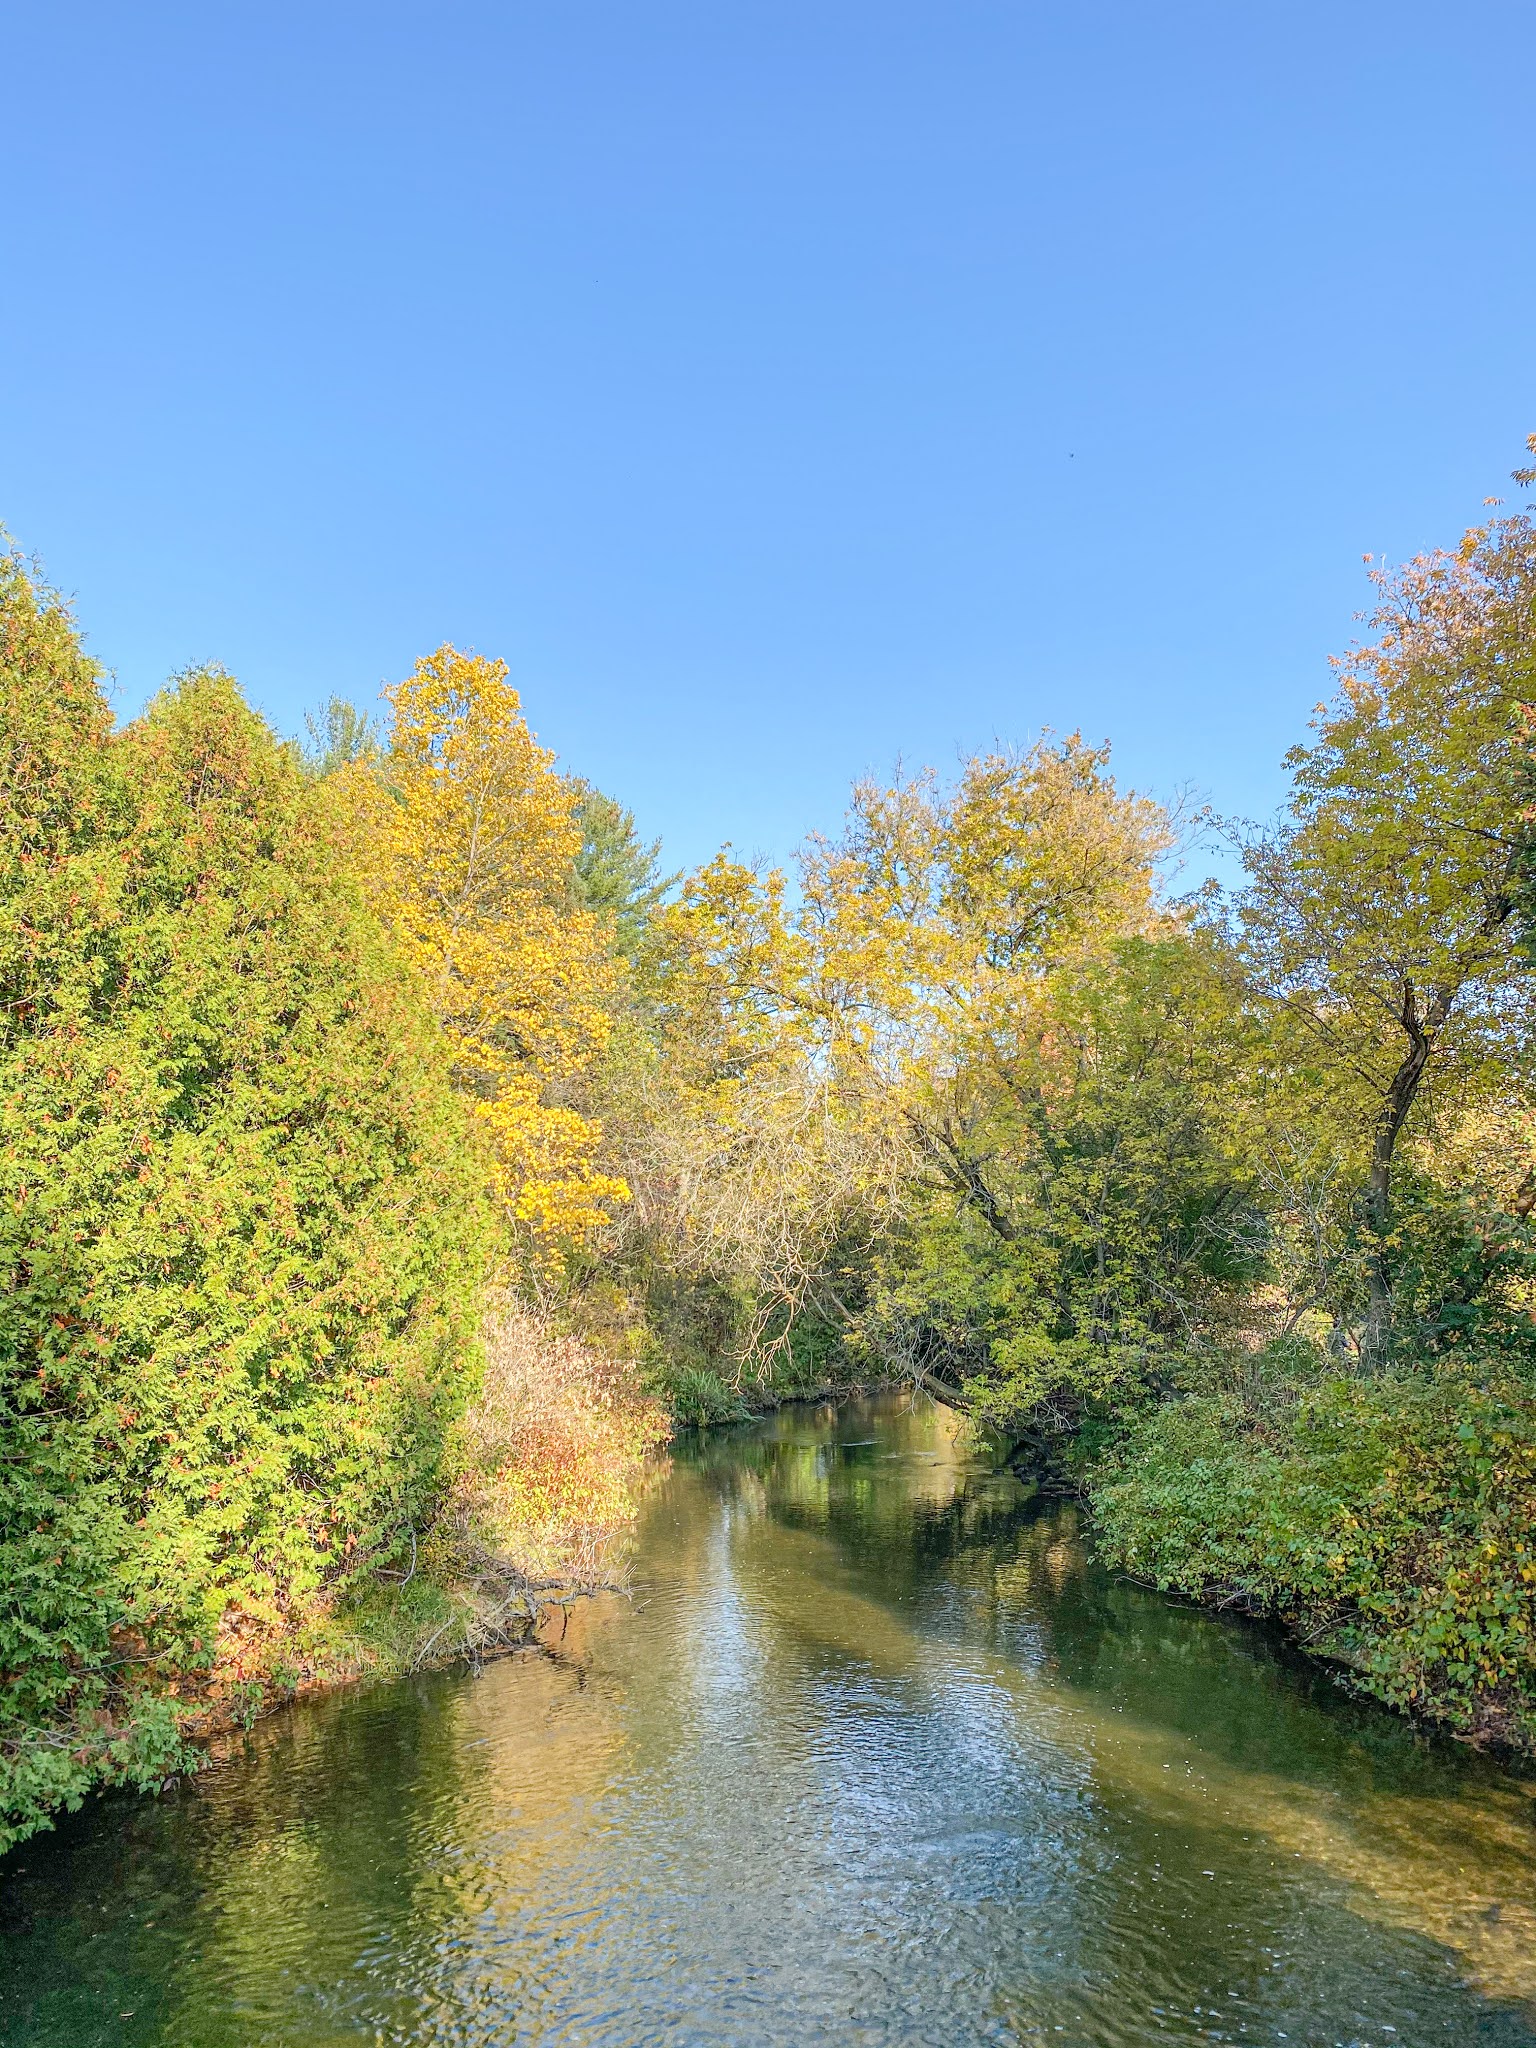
(1120, 1222)
(338, 735)
(1381, 912)
(942, 920)
(747, 1171)
(469, 840)
(617, 873)
(241, 1229)
(960, 1095)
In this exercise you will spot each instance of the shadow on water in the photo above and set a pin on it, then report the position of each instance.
(876, 1754)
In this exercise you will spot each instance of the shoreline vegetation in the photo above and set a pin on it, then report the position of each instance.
(393, 1155)
(553, 1458)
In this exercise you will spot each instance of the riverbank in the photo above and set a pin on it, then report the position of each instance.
(541, 1482)
(1386, 1521)
(394, 1632)
(1385, 1525)
(460, 1602)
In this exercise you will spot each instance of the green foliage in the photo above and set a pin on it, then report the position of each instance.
(618, 874)
(240, 1226)
(1381, 916)
(1236, 1203)
(1125, 1220)
(1462, 1271)
(695, 1395)
(337, 735)
(1391, 1520)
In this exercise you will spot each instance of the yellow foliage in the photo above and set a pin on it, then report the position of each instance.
(475, 836)
(942, 915)
(1488, 1147)
(822, 1056)
(930, 929)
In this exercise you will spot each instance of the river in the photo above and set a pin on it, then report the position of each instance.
(875, 1753)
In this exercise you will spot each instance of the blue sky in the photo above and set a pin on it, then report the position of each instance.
(781, 388)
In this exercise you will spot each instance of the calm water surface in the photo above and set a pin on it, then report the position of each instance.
(875, 1755)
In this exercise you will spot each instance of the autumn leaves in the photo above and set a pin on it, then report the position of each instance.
(466, 841)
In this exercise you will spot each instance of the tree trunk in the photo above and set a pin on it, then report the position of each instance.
(1422, 1030)
(963, 1175)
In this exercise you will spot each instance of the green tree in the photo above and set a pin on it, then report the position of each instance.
(618, 874)
(1380, 914)
(337, 735)
(1122, 1223)
(241, 1230)
(961, 1099)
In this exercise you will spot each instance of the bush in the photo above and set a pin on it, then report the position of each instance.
(697, 1397)
(549, 1457)
(1391, 1519)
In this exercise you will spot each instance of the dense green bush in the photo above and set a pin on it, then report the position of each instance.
(695, 1395)
(1390, 1519)
(240, 1224)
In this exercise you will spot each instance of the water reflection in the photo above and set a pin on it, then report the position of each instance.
(875, 1755)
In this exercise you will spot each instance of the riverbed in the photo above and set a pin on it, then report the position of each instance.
(873, 1753)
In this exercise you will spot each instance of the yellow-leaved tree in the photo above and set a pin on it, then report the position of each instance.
(956, 1103)
(471, 841)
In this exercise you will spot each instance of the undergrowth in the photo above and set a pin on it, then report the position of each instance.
(1389, 1519)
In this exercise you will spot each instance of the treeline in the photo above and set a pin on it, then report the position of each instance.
(289, 1053)
(386, 1141)
(1221, 1203)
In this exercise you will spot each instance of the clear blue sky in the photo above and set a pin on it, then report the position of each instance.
(780, 387)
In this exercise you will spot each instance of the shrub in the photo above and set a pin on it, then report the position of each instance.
(697, 1396)
(549, 1457)
(1391, 1519)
